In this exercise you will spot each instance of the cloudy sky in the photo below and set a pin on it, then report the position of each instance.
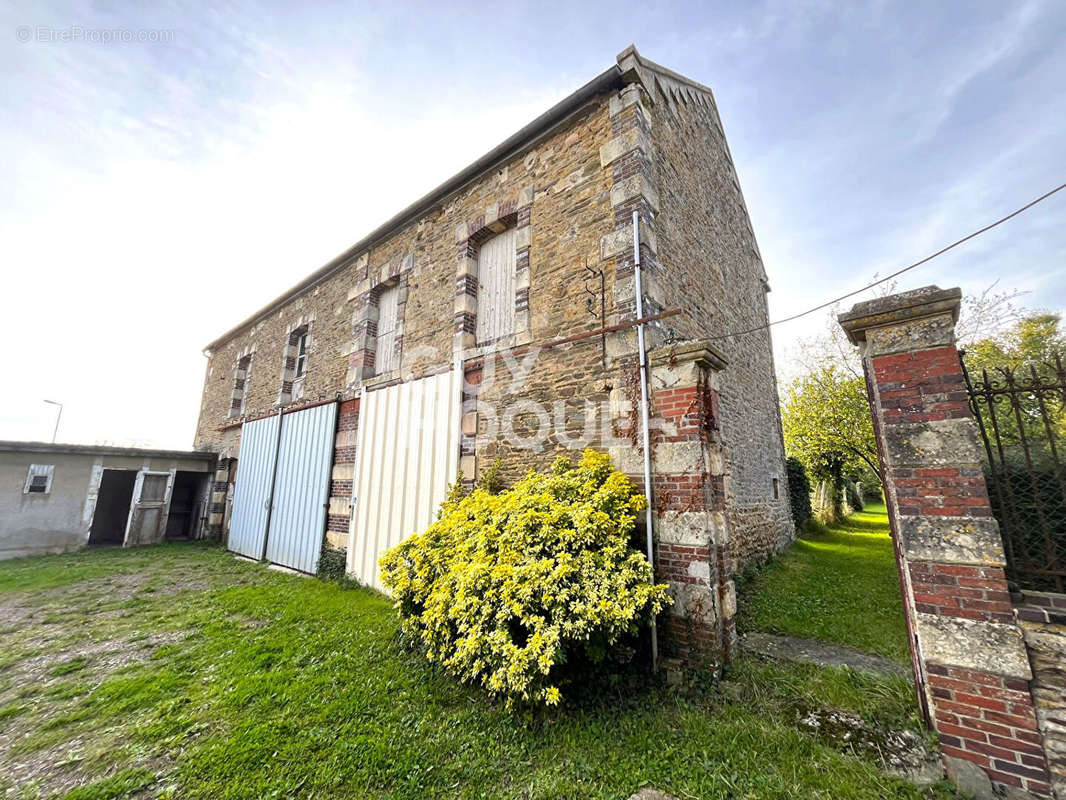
(154, 193)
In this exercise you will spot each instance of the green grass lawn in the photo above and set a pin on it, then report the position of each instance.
(838, 584)
(178, 671)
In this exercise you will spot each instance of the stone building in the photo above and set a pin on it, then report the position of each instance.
(494, 278)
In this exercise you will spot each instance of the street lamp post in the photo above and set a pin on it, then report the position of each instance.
(58, 416)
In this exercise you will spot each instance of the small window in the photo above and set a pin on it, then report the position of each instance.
(39, 479)
(301, 353)
(297, 353)
(385, 355)
(777, 490)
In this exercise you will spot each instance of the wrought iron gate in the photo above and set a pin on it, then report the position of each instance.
(1021, 413)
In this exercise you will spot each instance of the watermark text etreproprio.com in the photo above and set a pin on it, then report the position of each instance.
(78, 33)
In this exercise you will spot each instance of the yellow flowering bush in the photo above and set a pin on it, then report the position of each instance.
(503, 589)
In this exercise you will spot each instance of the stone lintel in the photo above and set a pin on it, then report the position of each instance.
(700, 351)
(900, 312)
(952, 540)
(992, 647)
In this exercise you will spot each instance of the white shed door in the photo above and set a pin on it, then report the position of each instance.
(406, 457)
(255, 480)
(496, 287)
(148, 514)
(301, 487)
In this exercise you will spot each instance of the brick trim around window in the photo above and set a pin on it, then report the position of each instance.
(469, 236)
(290, 392)
(242, 376)
(363, 356)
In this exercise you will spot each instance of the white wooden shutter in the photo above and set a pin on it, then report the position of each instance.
(385, 358)
(496, 287)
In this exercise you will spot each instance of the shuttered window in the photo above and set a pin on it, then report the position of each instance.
(386, 357)
(496, 287)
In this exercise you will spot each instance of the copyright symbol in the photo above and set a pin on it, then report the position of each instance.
(23, 33)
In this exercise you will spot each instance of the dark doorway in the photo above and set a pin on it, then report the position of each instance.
(112, 506)
(184, 505)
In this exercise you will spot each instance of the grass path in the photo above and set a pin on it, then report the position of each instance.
(180, 672)
(838, 584)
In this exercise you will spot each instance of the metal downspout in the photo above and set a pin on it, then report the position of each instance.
(644, 417)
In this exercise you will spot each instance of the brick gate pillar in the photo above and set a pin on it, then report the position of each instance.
(692, 554)
(970, 662)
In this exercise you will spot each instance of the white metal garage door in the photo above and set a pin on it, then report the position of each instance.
(282, 487)
(301, 488)
(407, 455)
(251, 492)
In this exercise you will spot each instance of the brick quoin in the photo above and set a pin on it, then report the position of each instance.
(340, 488)
(970, 661)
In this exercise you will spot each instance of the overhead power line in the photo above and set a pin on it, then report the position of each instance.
(895, 274)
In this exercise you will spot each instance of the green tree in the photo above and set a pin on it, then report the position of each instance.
(1033, 341)
(827, 423)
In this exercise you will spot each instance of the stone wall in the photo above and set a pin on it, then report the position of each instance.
(713, 271)
(1042, 616)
